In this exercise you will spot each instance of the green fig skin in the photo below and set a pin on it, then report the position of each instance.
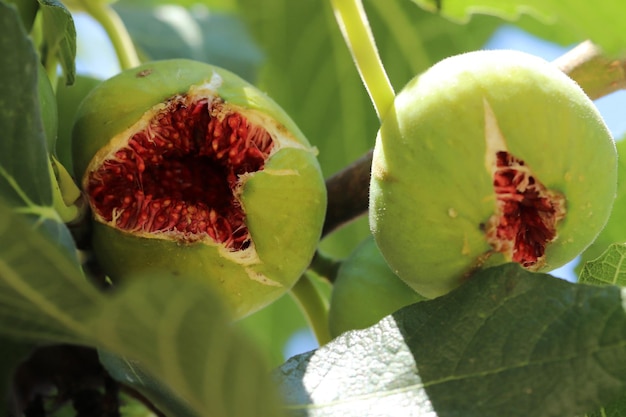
(366, 290)
(285, 202)
(431, 192)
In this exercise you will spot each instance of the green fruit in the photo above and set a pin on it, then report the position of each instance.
(193, 172)
(489, 157)
(366, 290)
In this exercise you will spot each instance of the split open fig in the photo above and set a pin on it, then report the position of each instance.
(191, 171)
(489, 157)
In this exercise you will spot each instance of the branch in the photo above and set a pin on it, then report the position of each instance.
(597, 74)
(348, 193)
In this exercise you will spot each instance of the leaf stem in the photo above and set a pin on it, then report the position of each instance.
(65, 193)
(313, 307)
(116, 30)
(352, 21)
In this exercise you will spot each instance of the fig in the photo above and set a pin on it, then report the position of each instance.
(366, 290)
(191, 171)
(489, 157)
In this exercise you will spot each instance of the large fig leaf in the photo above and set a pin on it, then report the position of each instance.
(608, 269)
(174, 329)
(579, 19)
(24, 166)
(23, 159)
(506, 343)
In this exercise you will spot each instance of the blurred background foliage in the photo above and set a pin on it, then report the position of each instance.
(294, 51)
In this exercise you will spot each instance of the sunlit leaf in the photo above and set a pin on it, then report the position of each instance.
(506, 343)
(596, 21)
(608, 269)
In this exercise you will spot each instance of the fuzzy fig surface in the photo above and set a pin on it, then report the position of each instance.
(489, 157)
(191, 171)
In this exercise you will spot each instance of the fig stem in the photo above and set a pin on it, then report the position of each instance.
(313, 306)
(116, 30)
(67, 212)
(325, 266)
(352, 21)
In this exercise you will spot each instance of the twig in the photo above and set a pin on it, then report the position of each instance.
(596, 73)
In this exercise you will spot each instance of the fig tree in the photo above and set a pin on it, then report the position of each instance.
(191, 171)
(489, 157)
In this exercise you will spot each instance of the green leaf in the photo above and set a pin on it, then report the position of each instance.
(411, 40)
(43, 294)
(614, 409)
(615, 229)
(172, 31)
(596, 21)
(68, 98)
(216, 5)
(180, 334)
(175, 328)
(272, 326)
(607, 269)
(131, 373)
(59, 38)
(27, 10)
(24, 165)
(506, 343)
(24, 178)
